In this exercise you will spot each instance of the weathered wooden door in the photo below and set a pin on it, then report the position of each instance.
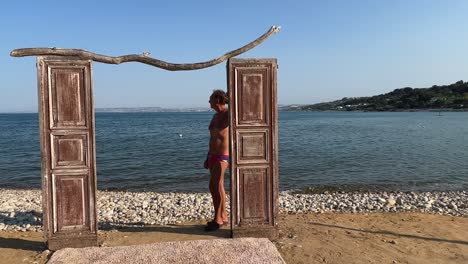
(66, 120)
(254, 147)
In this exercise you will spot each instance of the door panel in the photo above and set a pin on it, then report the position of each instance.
(254, 151)
(67, 96)
(253, 146)
(66, 120)
(70, 202)
(252, 96)
(69, 150)
(253, 194)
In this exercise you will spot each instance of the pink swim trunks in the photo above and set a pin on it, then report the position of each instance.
(214, 158)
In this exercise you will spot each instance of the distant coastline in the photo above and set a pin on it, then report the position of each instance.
(150, 109)
(449, 98)
(284, 108)
(129, 110)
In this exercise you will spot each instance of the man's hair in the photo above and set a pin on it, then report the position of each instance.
(220, 97)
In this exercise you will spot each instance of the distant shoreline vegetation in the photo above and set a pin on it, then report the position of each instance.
(453, 97)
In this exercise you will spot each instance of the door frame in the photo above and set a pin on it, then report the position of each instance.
(254, 199)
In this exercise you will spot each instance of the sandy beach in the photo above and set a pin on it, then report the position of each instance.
(304, 238)
(318, 228)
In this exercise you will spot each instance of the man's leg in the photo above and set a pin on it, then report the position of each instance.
(217, 191)
(224, 217)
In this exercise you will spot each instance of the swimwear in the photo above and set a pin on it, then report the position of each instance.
(214, 158)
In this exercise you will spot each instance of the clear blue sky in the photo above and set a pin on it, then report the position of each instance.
(326, 49)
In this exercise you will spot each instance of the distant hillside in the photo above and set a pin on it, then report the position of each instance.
(447, 97)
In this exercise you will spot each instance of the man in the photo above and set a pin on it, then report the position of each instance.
(217, 160)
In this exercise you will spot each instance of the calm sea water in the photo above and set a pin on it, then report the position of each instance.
(343, 150)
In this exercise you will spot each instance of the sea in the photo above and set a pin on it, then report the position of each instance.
(318, 151)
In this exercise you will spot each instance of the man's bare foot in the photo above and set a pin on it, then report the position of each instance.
(213, 221)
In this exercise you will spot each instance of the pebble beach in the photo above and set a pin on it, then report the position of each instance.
(21, 210)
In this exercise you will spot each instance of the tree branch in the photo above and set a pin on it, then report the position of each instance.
(143, 58)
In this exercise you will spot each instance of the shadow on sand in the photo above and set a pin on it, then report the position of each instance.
(199, 230)
(384, 232)
(18, 243)
(196, 230)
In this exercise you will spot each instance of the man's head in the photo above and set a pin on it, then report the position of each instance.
(218, 100)
(219, 97)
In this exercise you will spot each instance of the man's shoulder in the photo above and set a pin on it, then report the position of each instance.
(222, 115)
(225, 114)
(220, 120)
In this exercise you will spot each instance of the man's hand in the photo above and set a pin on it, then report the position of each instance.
(205, 164)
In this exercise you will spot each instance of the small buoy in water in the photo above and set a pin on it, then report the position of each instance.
(180, 135)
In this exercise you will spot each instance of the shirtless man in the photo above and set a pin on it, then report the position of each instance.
(217, 160)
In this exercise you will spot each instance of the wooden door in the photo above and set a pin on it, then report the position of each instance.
(66, 120)
(254, 147)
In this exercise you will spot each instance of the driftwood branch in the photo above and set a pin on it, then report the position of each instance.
(143, 58)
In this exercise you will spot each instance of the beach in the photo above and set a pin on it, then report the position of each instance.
(395, 227)
(21, 210)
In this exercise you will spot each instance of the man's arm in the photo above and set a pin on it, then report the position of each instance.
(225, 120)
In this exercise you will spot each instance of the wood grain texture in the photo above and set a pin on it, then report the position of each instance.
(254, 147)
(66, 121)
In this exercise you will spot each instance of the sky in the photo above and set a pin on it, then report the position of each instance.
(326, 50)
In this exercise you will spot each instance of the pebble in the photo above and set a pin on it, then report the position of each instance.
(390, 202)
(21, 210)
